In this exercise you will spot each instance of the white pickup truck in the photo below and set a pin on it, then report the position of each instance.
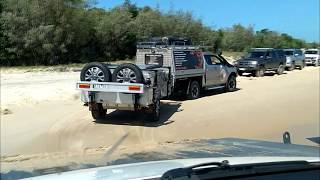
(312, 57)
(162, 69)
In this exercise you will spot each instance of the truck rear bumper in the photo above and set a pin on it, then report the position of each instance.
(134, 88)
(116, 95)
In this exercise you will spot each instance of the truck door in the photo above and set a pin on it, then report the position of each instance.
(295, 57)
(275, 60)
(269, 60)
(215, 72)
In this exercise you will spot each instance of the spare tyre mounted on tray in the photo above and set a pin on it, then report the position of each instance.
(95, 71)
(127, 73)
(131, 73)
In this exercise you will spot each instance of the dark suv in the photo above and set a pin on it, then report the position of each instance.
(259, 60)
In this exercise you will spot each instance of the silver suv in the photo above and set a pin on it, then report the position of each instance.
(294, 58)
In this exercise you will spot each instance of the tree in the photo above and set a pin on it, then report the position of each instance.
(238, 38)
(48, 32)
(131, 8)
(116, 34)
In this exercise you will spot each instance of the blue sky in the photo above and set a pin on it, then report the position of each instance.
(298, 18)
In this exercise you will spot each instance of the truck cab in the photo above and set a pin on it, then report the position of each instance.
(217, 70)
(192, 68)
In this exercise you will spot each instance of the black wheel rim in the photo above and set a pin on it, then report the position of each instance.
(195, 91)
(232, 83)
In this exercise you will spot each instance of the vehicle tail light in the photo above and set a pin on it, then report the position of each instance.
(84, 86)
(134, 88)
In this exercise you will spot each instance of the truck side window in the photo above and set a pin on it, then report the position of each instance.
(208, 59)
(215, 60)
(268, 54)
(300, 53)
(212, 60)
(275, 55)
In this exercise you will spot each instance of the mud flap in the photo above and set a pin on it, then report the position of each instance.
(92, 104)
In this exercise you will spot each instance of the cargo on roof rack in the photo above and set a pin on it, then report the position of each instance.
(167, 41)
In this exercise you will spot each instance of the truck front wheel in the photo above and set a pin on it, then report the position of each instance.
(194, 90)
(231, 84)
(98, 112)
(260, 72)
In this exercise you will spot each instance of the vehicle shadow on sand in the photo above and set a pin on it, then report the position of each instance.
(204, 93)
(217, 92)
(265, 74)
(131, 118)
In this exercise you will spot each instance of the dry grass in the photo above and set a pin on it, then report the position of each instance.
(230, 56)
(55, 68)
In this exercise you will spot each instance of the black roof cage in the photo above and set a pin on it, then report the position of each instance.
(173, 42)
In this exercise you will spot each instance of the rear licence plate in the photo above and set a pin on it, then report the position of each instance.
(242, 69)
(100, 86)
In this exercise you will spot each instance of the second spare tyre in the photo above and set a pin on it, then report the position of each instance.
(95, 71)
(127, 73)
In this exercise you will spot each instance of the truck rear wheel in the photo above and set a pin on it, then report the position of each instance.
(128, 73)
(95, 71)
(280, 69)
(194, 90)
(154, 116)
(98, 112)
(302, 65)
